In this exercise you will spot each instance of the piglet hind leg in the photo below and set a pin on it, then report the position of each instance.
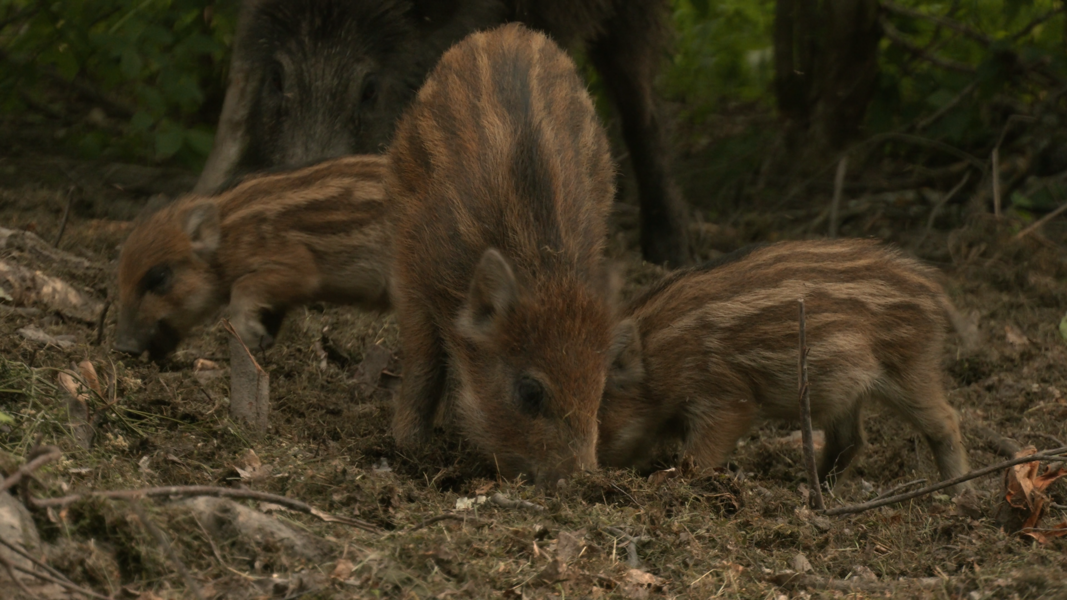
(712, 434)
(259, 300)
(844, 440)
(424, 363)
(923, 404)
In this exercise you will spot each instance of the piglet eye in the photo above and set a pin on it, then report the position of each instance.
(531, 395)
(157, 280)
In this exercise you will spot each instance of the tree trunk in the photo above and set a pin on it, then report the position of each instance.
(826, 71)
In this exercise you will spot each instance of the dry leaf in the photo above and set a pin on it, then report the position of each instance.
(801, 564)
(1015, 337)
(1025, 493)
(638, 584)
(250, 468)
(369, 372)
(659, 477)
(570, 545)
(88, 373)
(34, 334)
(203, 364)
(26, 286)
(555, 571)
(343, 570)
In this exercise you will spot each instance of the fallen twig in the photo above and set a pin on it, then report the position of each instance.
(805, 416)
(899, 488)
(164, 543)
(630, 542)
(940, 204)
(1038, 223)
(865, 506)
(206, 490)
(505, 502)
(66, 215)
(51, 453)
(100, 322)
(835, 204)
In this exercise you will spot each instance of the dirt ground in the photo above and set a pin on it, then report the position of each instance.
(742, 533)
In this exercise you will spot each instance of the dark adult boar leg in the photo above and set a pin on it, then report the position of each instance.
(424, 375)
(626, 59)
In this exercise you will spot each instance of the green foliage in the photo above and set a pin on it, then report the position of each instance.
(722, 52)
(152, 66)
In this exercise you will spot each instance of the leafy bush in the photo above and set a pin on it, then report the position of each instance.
(155, 68)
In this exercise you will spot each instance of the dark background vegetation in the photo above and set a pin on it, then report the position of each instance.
(774, 105)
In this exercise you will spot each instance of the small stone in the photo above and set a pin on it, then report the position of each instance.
(801, 564)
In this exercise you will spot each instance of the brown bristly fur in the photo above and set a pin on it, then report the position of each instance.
(716, 349)
(319, 233)
(502, 181)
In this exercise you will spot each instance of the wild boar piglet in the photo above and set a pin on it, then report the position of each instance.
(712, 349)
(502, 182)
(269, 244)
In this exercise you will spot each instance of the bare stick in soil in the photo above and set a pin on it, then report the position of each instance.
(51, 453)
(865, 506)
(1038, 223)
(805, 416)
(835, 205)
(941, 204)
(206, 490)
(66, 215)
(100, 323)
(249, 385)
(164, 543)
(996, 182)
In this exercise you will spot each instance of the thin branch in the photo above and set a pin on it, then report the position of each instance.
(164, 543)
(1038, 20)
(996, 181)
(899, 488)
(942, 21)
(205, 490)
(24, 554)
(1038, 223)
(66, 215)
(805, 415)
(10, 568)
(858, 508)
(101, 321)
(51, 453)
(898, 38)
(940, 204)
(951, 104)
(835, 204)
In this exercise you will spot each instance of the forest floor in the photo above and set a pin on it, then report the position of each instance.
(439, 530)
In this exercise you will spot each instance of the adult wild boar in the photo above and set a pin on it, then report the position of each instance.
(502, 180)
(313, 79)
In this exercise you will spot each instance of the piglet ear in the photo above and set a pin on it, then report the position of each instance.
(626, 367)
(204, 230)
(493, 292)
